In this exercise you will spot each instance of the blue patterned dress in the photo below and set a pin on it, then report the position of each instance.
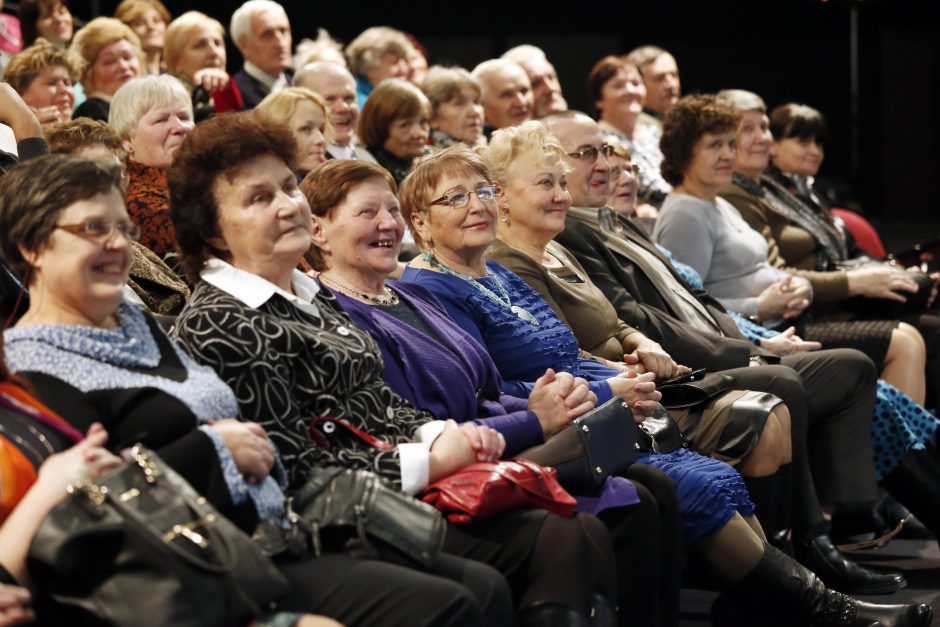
(710, 492)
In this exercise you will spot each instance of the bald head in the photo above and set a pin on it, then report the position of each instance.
(338, 87)
(507, 93)
(589, 178)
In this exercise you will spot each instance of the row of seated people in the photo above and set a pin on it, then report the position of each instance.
(242, 226)
(772, 453)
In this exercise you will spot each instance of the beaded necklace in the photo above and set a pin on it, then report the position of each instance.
(388, 301)
(502, 300)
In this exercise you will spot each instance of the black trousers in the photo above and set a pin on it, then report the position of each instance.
(367, 592)
(830, 395)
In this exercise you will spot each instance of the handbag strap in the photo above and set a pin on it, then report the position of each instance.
(368, 438)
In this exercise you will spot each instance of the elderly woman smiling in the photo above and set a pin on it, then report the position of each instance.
(296, 362)
(152, 115)
(43, 75)
(456, 112)
(394, 125)
(113, 56)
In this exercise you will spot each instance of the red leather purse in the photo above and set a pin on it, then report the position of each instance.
(486, 488)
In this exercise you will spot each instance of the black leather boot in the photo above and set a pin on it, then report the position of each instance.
(779, 592)
(551, 614)
(604, 612)
(820, 555)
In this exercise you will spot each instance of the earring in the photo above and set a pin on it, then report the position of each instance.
(505, 218)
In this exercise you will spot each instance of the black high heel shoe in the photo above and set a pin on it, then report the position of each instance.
(837, 571)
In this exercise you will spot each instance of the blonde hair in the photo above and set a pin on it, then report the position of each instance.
(182, 29)
(508, 144)
(26, 66)
(443, 84)
(130, 10)
(97, 35)
(140, 95)
(280, 106)
(364, 51)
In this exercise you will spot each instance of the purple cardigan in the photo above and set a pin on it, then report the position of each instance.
(454, 378)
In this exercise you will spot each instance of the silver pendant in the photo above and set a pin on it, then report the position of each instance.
(524, 315)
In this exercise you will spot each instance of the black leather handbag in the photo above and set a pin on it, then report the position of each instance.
(694, 392)
(659, 433)
(353, 511)
(140, 547)
(593, 447)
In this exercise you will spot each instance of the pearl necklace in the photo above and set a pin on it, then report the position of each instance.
(503, 300)
(390, 300)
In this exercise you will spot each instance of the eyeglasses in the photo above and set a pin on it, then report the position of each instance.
(590, 153)
(620, 169)
(102, 230)
(459, 200)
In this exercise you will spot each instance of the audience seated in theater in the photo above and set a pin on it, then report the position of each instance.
(616, 93)
(546, 89)
(43, 75)
(394, 125)
(706, 232)
(824, 404)
(50, 19)
(112, 56)
(94, 358)
(304, 113)
(195, 54)
(523, 335)
(149, 19)
(261, 31)
(506, 94)
(152, 283)
(323, 48)
(456, 112)
(249, 293)
(337, 87)
(375, 54)
(152, 115)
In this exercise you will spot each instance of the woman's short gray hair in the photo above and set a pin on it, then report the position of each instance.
(443, 84)
(742, 100)
(507, 144)
(364, 51)
(140, 95)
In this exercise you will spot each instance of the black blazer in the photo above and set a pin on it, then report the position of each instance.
(638, 302)
(252, 90)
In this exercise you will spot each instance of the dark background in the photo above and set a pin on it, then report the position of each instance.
(785, 50)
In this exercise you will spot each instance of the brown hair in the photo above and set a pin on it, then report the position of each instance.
(799, 121)
(30, 12)
(34, 193)
(130, 10)
(328, 185)
(684, 124)
(393, 99)
(426, 174)
(26, 66)
(218, 147)
(603, 71)
(74, 135)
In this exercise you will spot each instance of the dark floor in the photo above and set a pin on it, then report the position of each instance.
(919, 560)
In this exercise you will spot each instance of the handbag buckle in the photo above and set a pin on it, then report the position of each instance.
(92, 491)
(143, 459)
(187, 531)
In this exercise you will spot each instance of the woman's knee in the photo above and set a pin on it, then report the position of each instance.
(907, 344)
(774, 447)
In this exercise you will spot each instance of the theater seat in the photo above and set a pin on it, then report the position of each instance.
(864, 233)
